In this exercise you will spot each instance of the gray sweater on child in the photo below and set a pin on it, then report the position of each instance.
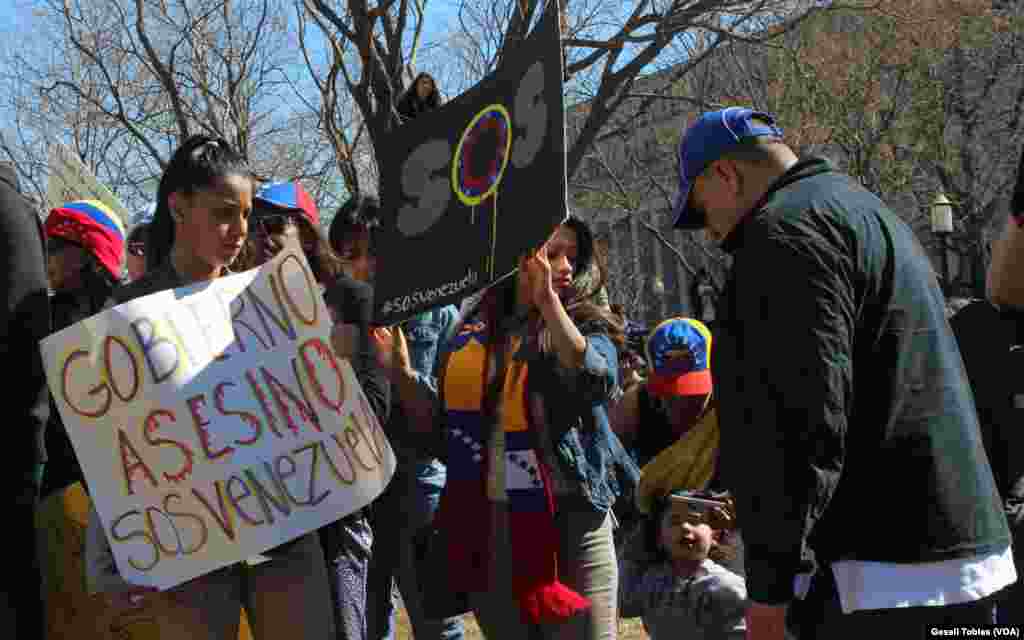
(709, 605)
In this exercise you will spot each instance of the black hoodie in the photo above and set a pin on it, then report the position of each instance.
(24, 321)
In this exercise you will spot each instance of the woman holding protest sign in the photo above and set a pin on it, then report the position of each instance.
(198, 231)
(521, 400)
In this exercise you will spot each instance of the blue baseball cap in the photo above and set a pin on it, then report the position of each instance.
(706, 140)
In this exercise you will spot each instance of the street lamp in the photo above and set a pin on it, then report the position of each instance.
(942, 227)
(942, 214)
(657, 286)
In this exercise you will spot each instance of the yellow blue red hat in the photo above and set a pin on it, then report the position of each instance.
(93, 225)
(289, 196)
(679, 358)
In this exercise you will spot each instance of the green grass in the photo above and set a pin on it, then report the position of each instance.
(628, 629)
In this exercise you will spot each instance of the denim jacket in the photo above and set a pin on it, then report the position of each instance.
(592, 459)
(424, 333)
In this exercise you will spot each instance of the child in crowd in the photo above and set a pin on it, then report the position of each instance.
(675, 580)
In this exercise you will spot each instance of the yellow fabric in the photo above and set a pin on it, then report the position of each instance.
(688, 464)
(463, 379)
(463, 391)
(71, 612)
(463, 382)
(513, 403)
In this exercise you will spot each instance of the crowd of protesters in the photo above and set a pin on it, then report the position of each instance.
(835, 457)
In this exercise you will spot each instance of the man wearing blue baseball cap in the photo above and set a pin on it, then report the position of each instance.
(835, 370)
(710, 175)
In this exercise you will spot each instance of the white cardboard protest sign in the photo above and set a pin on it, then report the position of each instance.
(214, 422)
(71, 180)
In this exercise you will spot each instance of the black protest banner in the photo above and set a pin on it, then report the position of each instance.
(468, 188)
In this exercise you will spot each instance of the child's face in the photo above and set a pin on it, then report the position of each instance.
(684, 534)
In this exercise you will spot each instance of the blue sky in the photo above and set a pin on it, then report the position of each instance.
(15, 15)
(18, 24)
(16, 18)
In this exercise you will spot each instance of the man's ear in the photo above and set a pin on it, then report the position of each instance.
(729, 171)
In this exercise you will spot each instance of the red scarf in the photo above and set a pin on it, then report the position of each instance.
(466, 512)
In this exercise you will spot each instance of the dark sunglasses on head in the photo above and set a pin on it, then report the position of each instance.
(719, 512)
(275, 223)
(137, 249)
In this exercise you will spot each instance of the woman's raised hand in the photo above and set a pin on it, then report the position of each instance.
(392, 349)
(539, 275)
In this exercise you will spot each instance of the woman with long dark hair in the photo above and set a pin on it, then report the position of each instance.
(198, 232)
(520, 399)
(349, 542)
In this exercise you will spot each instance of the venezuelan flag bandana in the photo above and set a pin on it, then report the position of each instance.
(91, 224)
(466, 504)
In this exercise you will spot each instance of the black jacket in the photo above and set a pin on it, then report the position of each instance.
(848, 427)
(24, 321)
(992, 344)
(353, 302)
(411, 105)
(62, 467)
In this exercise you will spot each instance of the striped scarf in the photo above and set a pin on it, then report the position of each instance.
(498, 503)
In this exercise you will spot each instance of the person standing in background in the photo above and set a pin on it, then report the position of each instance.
(85, 247)
(1006, 273)
(403, 516)
(349, 542)
(24, 321)
(421, 96)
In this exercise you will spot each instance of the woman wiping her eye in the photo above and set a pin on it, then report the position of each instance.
(519, 411)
